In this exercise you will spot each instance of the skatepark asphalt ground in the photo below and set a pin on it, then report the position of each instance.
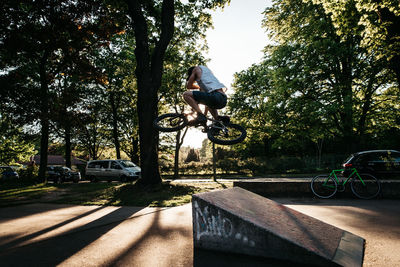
(66, 235)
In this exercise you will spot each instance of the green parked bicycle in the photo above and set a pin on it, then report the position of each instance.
(364, 185)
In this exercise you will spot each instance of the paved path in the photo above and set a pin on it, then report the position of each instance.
(377, 221)
(65, 235)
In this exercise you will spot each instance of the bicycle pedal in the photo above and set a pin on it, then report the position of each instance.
(341, 188)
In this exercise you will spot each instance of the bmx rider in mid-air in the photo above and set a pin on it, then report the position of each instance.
(211, 93)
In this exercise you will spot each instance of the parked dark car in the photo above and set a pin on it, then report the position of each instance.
(379, 163)
(7, 172)
(59, 174)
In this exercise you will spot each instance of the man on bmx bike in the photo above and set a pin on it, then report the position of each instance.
(211, 93)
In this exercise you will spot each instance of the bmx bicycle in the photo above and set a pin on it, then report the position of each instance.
(220, 131)
(364, 185)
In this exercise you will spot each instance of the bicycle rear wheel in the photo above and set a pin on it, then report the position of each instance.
(368, 188)
(323, 186)
(228, 135)
(170, 122)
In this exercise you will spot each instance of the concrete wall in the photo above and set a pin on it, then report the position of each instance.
(238, 221)
(390, 189)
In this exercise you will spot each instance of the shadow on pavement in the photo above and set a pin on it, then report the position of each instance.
(15, 242)
(210, 258)
(165, 240)
(54, 250)
(16, 212)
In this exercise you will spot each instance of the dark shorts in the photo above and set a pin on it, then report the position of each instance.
(214, 100)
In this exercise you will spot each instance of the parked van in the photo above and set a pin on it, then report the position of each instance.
(121, 170)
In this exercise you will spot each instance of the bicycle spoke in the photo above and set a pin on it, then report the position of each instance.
(170, 122)
(226, 135)
(323, 186)
(367, 187)
(173, 122)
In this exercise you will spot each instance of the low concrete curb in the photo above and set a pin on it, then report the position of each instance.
(300, 187)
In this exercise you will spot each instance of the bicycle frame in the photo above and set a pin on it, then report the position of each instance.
(214, 122)
(346, 179)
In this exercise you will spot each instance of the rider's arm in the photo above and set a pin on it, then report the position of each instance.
(192, 79)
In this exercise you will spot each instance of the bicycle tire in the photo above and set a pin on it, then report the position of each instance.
(367, 190)
(170, 122)
(324, 186)
(234, 134)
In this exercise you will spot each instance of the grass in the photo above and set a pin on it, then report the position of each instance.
(167, 194)
(23, 193)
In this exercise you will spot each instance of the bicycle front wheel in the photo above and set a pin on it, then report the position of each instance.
(366, 188)
(323, 186)
(228, 135)
(170, 122)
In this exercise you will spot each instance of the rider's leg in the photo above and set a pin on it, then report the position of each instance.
(213, 112)
(188, 97)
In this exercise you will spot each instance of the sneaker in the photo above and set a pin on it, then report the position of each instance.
(200, 119)
(224, 119)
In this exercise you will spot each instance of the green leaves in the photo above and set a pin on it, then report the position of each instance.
(316, 83)
(13, 147)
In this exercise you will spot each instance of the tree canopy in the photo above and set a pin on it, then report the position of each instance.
(318, 82)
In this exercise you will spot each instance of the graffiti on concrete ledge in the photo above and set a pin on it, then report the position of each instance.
(207, 224)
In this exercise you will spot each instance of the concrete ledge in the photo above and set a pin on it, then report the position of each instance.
(300, 187)
(235, 220)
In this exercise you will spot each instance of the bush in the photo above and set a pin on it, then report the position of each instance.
(29, 174)
(257, 166)
(229, 165)
(289, 164)
(193, 155)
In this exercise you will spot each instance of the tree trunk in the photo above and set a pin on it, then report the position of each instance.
(366, 107)
(176, 159)
(347, 119)
(115, 124)
(44, 118)
(148, 73)
(68, 162)
(44, 143)
(178, 144)
(148, 142)
(214, 163)
(347, 101)
(92, 149)
(134, 153)
(395, 66)
(267, 145)
(319, 143)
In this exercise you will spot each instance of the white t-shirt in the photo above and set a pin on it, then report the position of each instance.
(208, 82)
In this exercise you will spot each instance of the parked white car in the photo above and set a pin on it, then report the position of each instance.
(121, 170)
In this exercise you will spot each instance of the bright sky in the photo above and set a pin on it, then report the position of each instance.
(235, 43)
